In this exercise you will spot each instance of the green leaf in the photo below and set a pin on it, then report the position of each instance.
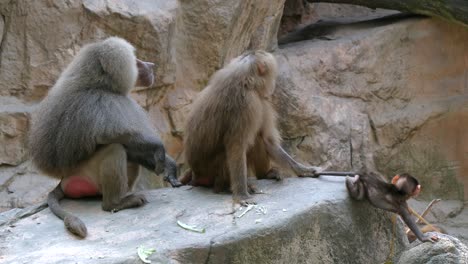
(144, 253)
(191, 228)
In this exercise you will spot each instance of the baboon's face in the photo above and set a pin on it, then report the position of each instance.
(145, 73)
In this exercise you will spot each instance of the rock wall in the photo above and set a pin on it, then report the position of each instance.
(394, 95)
(392, 98)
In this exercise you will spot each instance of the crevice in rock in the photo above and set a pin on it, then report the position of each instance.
(341, 95)
(210, 249)
(6, 27)
(21, 213)
(7, 182)
(323, 29)
(373, 129)
(26, 75)
(174, 132)
(456, 212)
(300, 139)
(414, 129)
(351, 152)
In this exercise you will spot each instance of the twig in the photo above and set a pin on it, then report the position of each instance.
(427, 209)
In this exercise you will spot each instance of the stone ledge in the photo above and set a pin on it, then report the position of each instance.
(306, 220)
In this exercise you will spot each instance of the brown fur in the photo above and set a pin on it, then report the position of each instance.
(231, 129)
(388, 196)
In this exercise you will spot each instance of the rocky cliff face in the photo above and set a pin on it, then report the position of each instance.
(391, 97)
(380, 94)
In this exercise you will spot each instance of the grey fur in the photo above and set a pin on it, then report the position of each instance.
(88, 126)
(88, 106)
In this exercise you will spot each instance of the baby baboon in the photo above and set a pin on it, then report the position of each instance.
(388, 196)
(90, 134)
(231, 129)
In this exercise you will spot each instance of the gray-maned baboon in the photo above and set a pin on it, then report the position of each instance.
(90, 134)
(231, 129)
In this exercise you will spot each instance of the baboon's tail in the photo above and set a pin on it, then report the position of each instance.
(72, 223)
(337, 173)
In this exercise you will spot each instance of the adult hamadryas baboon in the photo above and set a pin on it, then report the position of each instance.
(92, 136)
(231, 130)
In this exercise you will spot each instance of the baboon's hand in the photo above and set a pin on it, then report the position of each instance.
(170, 172)
(129, 201)
(247, 202)
(310, 171)
(274, 174)
(352, 181)
(244, 200)
(173, 181)
(430, 238)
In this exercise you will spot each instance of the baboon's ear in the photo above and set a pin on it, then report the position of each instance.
(395, 179)
(262, 69)
(139, 63)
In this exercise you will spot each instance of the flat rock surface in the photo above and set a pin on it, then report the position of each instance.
(296, 220)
